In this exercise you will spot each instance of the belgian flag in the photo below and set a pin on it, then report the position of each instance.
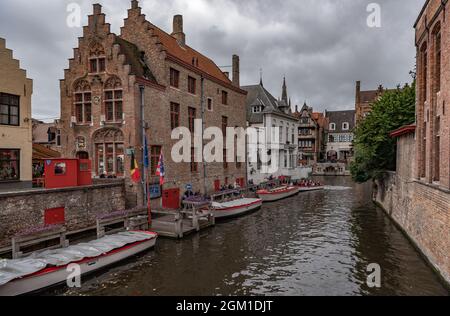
(135, 174)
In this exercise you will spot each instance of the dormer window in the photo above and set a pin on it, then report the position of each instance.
(257, 109)
(332, 126)
(345, 126)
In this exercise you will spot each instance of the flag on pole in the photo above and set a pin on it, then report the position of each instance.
(134, 170)
(160, 171)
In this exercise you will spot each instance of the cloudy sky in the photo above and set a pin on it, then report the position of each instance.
(321, 46)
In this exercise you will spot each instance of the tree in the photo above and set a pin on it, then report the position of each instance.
(374, 148)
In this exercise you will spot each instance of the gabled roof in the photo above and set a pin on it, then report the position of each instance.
(189, 55)
(40, 132)
(340, 117)
(258, 95)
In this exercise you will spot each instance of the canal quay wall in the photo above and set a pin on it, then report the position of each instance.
(26, 210)
(421, 210)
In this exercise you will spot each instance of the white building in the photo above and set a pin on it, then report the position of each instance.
(340, 136)
(277, 127)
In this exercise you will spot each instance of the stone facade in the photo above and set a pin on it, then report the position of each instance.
(422, 210)
(21, 210)
(177, 84)
(433, 95)
(15, 122)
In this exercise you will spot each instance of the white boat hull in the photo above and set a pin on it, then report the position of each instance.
(53, 276)
(308, 189)
(223, 213)
(276, 196)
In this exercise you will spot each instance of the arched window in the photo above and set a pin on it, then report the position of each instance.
(109, 153)
(83, 102)
(113, 100)
(437, 54)
(97, 60)
(345, 126)
(332, 126)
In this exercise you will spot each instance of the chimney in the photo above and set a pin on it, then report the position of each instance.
(97, 9)
(134, 4)
(296, 109)
(178, 29)
(358, 92)
(236, 71)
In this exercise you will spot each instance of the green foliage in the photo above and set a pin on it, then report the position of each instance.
(374, 148)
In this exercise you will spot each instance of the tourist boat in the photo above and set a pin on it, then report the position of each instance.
(311, 188)
(277, 194)
(236, 207)
(48, 268)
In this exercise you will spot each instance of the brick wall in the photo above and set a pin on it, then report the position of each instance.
(420, 209)
(433, 120)
(24, 210)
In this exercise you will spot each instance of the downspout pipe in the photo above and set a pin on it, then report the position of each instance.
(144, 174)
(202, 106)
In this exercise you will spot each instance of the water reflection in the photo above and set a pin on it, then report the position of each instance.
(317, 243)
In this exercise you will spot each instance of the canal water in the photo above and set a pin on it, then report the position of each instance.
(317, 243)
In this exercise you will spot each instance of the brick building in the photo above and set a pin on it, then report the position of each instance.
(417, 195)
(365, 99)
(112, 76)
(15, 122)
(433, 97)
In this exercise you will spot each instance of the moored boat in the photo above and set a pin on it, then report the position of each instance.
(45, 269)
(312, 188)
(277, 193)
(236, 207)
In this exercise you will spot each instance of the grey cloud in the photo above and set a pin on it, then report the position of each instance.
(322, 46)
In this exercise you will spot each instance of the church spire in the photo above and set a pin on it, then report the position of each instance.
(284, 96)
